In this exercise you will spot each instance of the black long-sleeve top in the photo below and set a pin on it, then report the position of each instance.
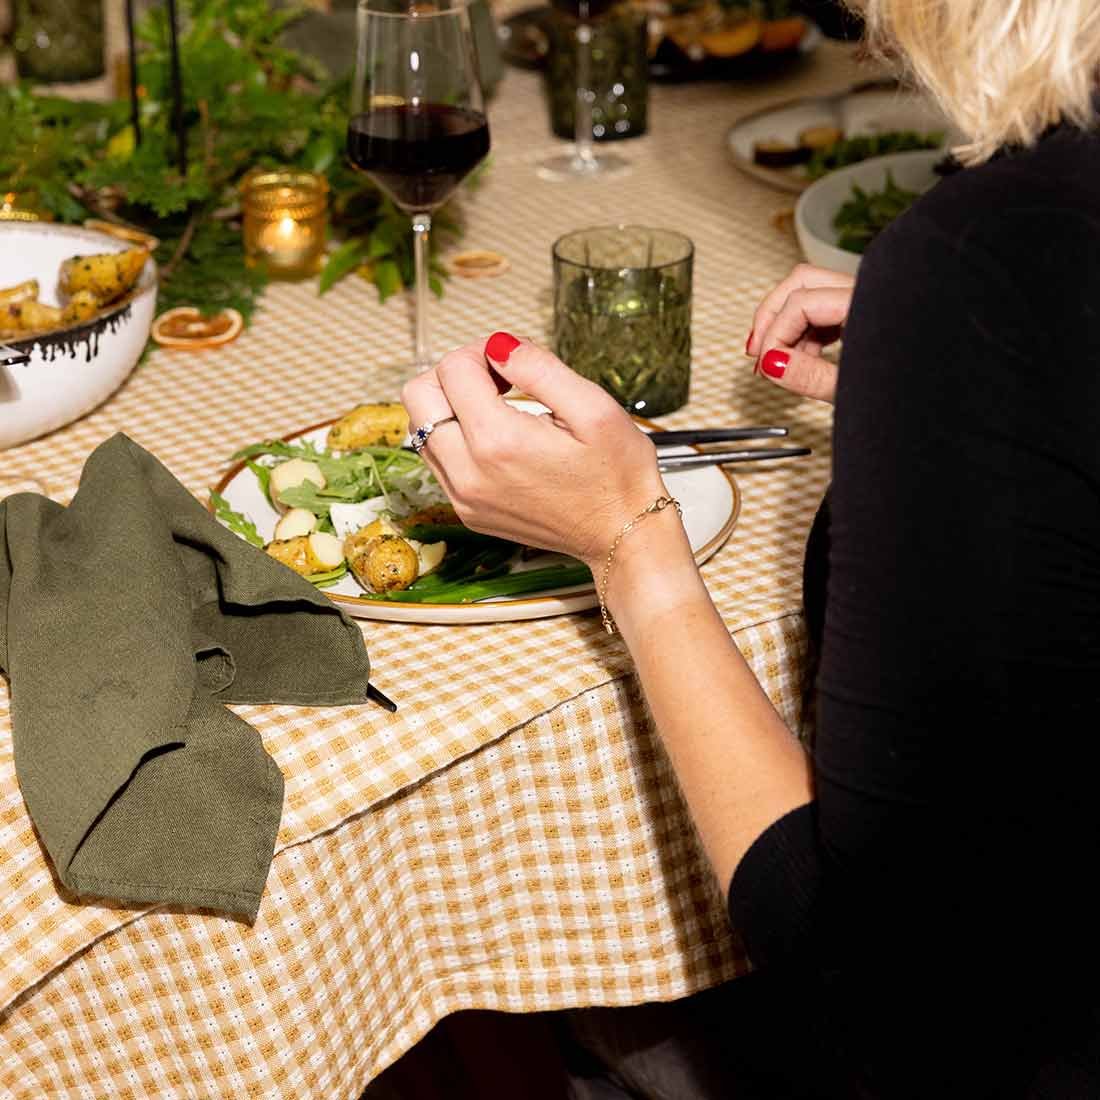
(934, 903)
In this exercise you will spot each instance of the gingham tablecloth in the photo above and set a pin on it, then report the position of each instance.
(512, 838)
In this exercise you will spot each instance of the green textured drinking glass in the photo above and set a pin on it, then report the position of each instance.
(622, 313)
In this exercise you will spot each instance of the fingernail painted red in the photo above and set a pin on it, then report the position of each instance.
(774, 363)
(748, 342)
(500, 345)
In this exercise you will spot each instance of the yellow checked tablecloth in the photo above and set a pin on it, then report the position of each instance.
(513, 837)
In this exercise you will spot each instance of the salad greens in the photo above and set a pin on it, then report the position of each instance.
(475, 566)
(868, 213)
(855, 149)
(238, 524)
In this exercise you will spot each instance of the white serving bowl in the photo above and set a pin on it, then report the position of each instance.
(73, 370)
(819, 203)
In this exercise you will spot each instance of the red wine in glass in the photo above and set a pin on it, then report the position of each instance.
(420, 154)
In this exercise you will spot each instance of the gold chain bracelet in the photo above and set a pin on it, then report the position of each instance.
(659, 505)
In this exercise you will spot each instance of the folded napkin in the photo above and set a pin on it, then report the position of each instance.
(126, 620)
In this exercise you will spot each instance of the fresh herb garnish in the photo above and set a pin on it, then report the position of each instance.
(852, 150)
(238, 524)
(868, 213)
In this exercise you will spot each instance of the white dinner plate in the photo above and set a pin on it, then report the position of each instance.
(856, 113)
(709, 497)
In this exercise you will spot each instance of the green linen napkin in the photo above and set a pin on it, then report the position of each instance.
(126, 620)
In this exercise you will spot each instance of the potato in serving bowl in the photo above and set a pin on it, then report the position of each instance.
(81, 348)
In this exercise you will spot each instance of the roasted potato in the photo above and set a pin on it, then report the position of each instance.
(383, 564)
(308, 554)
(384, 425)
(30, 316)
(290, 474)
(81, 307)
(296, 522)
(107, 276)
(21, 292)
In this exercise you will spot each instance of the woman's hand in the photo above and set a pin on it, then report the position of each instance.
(803, 315)
(564, 481)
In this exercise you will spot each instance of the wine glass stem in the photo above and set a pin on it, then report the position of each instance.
(582, 121)
(422, 225)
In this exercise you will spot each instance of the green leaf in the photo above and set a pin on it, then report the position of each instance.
(237, 523)
(387, 277)
(344, 259)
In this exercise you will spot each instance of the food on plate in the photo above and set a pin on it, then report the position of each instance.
(868, 213)
(824, 148)
(108, 275)
(296, 522)
(379, 425)
(20, 292)
(782, 34)
(772, 153)
(186, 327)
(291, 475)
(82, 306)
(378, 513)
(308, 555)
(852, 150)
(88, 284)
(817, 138)
(720, 30)
(383, 564)
(30, 315)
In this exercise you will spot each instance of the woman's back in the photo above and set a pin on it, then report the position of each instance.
(955, 827)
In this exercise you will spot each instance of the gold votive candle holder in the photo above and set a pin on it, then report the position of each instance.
(22, 206)
(285, 219)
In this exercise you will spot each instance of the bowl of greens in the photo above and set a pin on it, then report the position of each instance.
(838, 217)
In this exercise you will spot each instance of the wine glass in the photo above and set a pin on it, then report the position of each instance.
(417, 125)
(583, 161)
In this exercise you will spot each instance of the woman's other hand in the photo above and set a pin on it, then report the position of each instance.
(803, 315)
(564, 481)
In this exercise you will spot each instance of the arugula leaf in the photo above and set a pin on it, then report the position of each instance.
(237, 523)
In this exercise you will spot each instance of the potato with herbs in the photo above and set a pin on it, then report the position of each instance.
(30, 316)
(381, 425)
(107, 276)
(308, 555)
(21, 292)
(385, 563)
(81, 307)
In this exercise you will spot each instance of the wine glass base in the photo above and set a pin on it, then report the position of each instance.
(572, 166)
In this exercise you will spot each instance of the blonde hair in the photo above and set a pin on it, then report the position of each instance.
(1003, 70)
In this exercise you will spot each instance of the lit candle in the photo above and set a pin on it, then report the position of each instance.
(284, 220)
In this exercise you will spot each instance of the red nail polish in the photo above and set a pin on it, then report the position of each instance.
(774, 363)
(748, 342)
(499, 346)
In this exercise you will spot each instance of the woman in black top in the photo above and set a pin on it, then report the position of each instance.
(917, 896)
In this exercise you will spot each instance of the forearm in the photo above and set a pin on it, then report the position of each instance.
(738, 765)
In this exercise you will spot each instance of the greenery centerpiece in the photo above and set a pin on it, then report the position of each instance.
(248, 102)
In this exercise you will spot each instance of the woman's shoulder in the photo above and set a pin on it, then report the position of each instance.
(1019, 208)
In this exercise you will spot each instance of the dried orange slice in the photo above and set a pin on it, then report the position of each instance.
(732, 41)
(186, 327)
(479, 264)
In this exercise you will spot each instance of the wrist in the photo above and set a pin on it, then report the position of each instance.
(650, 569)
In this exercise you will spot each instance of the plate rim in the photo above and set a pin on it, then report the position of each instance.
(575, 592)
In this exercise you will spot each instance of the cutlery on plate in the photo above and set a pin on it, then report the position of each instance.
(712, 435)
(721, 458)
